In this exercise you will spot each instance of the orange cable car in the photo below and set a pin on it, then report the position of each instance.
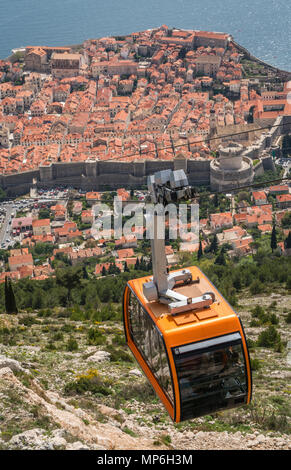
(197, 361)
(187, 339)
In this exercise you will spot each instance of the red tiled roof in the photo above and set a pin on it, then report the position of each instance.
(284, 198)
(41, 223)
(125, 253)
(22, 259)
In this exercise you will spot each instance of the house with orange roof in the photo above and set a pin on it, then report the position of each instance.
(41, 226)
(25, 271)
(77, 207)
(228, 235)
(129, 261)
(47, 238)
(284, 201)
(265, 228)
(92, 197)
(221, 220)
(251, 220)
(191, 247)
(19, 252)
(87, 216)
(59, 212)
(16, 262)
(265, 218)
(38, 108)
(80, 255)
(125, 253)
(126, 242)
(279, 189)
(242, 246)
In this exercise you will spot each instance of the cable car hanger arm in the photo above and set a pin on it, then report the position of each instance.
(164, 187)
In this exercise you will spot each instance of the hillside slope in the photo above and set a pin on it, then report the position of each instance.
(62, 387)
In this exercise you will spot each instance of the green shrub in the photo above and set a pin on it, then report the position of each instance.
(67, 328)
(95, 337)
(9, 336)
(28, 320)
(118, 340)
(257, 311)
(166, 439)
(89, 382)
(251, 343)
(142, 392)
(269, 419)
(256, 287)
(72, 344)
(255, 323)
(129, 432)
(277, 423)
(288, 318)
(274, 319)
(46, 312)
(256, 364)
(118, 355)
(270, 338)
(260, 317)
(58, 336)
(50, 346)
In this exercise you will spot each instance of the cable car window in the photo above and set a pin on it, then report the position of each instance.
(211, 375)
(149, 342)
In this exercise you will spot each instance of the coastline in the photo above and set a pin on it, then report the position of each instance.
(283, 73)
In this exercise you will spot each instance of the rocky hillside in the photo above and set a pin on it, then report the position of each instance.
(69, 384)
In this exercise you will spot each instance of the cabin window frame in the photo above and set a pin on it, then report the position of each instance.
(147, 327)
(200, 348)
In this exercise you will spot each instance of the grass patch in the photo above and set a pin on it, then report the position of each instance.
(118, 355)
(129, 432)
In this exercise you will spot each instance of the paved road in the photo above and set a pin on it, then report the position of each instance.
(3, 232)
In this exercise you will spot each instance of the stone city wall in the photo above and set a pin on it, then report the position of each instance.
(100, 175)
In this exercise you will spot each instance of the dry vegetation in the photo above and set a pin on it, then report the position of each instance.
(68, 370)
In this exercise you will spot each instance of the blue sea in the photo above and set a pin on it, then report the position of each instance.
(262, 26)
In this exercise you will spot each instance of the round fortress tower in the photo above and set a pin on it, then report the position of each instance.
(230, 157)
(231, 169)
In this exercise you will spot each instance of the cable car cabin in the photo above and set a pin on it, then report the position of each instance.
(197, 361)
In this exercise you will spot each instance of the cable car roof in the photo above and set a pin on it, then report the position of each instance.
(216, 320)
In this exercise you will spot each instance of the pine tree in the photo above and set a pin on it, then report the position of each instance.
(7, 299)
(142, 264)
(274, 239)
(200, 251)
(126, 268)
(85, 272)
(111, 269)
(103, 272)
(287, 242)
(10, 302)
(136, 266)
(220, 259)
(214, 244)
